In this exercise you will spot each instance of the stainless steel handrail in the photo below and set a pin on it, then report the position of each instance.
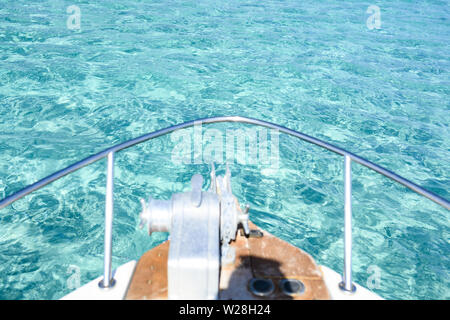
(348, 157)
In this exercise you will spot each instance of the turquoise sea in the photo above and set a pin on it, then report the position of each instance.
(133, 67)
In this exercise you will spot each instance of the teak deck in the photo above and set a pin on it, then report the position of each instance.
(265, 257)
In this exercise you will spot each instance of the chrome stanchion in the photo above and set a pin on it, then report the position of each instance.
(108, 281)
(347, 284)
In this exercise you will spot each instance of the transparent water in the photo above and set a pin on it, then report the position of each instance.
(138, 66)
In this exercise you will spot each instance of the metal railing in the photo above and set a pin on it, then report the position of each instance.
(108, 281)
